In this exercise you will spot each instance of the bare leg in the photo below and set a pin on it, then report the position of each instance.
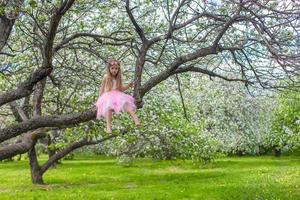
(108, 121)
(133, 116)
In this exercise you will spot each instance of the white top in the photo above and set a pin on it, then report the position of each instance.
(114, 86)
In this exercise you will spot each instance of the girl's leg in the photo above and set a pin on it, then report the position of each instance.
(133, 116)
(108, 121)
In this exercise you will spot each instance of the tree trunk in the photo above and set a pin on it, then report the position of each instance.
(36, 175)
(277, 152)
(138, 76)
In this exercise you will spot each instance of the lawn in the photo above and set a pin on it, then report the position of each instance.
(103, 178)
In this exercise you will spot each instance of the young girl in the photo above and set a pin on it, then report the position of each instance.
(111, 96)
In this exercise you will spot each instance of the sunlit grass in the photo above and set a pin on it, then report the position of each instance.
(103, 178)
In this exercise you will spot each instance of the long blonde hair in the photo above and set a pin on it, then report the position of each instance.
(109, 77)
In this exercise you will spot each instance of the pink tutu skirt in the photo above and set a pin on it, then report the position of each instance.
(114, 100)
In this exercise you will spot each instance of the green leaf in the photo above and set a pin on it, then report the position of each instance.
(33, 3)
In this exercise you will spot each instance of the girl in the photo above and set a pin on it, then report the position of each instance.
(111, 96)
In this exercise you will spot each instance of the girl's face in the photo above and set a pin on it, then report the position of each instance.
(113, 69)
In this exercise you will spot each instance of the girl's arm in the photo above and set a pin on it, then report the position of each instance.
(102, 86)
(125, 87)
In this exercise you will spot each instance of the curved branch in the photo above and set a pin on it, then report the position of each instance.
(46, 121)
(26, 88)
(28, 141)
(7, 20)
(210, 73)
(70, 148)
(138, 29)
(173, 67)
(5, 29)
(94, 36)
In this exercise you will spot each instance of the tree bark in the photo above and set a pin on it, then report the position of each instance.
(277, 151)
(5, 29)
(27, 142)
(138, 76)
(36, 175)
(46, 121)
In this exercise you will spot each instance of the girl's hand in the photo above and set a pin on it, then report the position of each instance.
(130, 84)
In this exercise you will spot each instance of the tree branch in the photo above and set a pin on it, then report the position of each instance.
(26, 88)
(70, 148)
(138, 29)
(46, 121)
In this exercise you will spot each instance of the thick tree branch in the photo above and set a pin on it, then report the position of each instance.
(5, 29)
(28, 141)
(173, 67)
(26, 88)
(46, 121)
(69, 149)
(7, 20)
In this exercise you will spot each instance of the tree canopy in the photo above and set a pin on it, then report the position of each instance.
(53, 55)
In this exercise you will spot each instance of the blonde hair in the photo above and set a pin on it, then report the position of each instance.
(109, 77)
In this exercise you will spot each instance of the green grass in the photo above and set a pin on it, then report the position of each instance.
(102, 178)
